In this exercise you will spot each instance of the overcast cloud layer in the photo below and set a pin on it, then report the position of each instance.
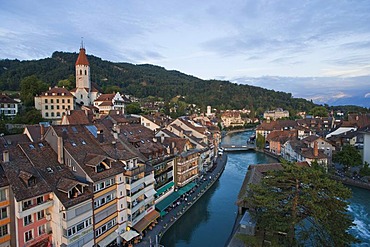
(233, 40)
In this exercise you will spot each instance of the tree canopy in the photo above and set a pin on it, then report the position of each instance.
(30, 87)
(303, 203)
(349, 156)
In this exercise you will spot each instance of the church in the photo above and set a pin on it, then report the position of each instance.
(56, 101)
(84, 92)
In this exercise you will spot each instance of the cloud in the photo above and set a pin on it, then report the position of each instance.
(367, 95)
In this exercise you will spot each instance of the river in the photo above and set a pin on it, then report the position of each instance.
(210, 221)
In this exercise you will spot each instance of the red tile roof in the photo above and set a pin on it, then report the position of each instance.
(82, 58)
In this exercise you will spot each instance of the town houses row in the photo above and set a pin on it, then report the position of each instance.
(314, 139)
(85, 183)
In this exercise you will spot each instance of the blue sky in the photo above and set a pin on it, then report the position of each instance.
(232, 40)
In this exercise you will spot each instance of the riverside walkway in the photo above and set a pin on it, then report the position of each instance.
(152, 237)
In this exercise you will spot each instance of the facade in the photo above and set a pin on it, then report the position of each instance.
(110, 102)
(366, 156)
(84, 92)
(5, 211)
(232, 119)
(8, 106)
(276, 114)
(54, 102)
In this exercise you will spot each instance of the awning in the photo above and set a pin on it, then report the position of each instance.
(186, 188)
(162, 205)
(150, 193)
(146, 221)
(164, 188)
(129, 235)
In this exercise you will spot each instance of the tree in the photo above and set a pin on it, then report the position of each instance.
(133, 108)
(303, 203)
(67, 83)
(319, 111)
(31, 116)
(349, 156)
(30, 87)
(260, 142)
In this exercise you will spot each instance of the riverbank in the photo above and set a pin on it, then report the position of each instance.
(166, 221)
(352, 182)
(237, 131)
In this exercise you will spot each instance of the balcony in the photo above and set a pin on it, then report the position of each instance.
(34, 208)
(181, 172)
(135, 184)
(135, 170)
(181, 184)
(136, 207)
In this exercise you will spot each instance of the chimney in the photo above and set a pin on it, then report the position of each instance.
(60, 150)
(5, 156)
(315, 149)
(100, 136)
(154, 139)
(115, 135)
(162, 138)
(42, 131)
(173, 144)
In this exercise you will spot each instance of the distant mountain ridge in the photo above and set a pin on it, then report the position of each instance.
(150, 80)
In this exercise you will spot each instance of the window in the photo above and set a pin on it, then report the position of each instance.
(63, 101)
(57, 101)
(46, 107)
(63, 107)
(40, 215)
(69, 101)
(3, 213)
(80, 71)
(81, 96)
(52, 114)
(79, 227)
(27, 204)
(4, 230)
(46, 114)
(52, 107)
(101, 230)
(52, 101)
(2, 195)
(41, 230)
(27, 220)
(46, 101)
(85, 72)
(58, 113)
(57, 107)
(28, 236)
(40, 199)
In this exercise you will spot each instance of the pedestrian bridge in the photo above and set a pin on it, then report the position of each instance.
(238, 148)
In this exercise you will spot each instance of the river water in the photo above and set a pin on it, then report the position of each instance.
(210, 221)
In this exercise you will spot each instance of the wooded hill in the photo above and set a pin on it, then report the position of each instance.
(150, 80)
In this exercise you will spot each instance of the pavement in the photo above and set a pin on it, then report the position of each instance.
(166, 221)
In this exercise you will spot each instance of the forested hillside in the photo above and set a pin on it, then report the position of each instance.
(149, 80)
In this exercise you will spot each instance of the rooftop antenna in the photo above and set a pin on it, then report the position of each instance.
(82, 42)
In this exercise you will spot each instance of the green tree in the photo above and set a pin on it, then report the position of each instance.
(305, 204)
(319, 111)
(31, 116)
(30, 87)
(349, 156)
(133, 108)
(67, 83)
(260, 142)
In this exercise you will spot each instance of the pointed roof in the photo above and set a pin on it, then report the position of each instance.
(82, 58)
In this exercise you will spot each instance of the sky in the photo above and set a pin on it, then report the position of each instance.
(303, 44)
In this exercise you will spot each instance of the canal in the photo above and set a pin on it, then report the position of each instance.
(210, 221)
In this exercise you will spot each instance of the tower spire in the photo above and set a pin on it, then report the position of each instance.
(82, 42)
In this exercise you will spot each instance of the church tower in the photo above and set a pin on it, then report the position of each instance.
(84, 92)
(83, 70)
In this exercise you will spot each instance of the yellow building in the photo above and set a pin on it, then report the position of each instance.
(54, 102)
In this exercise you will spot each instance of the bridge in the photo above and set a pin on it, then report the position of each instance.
(237, 148)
